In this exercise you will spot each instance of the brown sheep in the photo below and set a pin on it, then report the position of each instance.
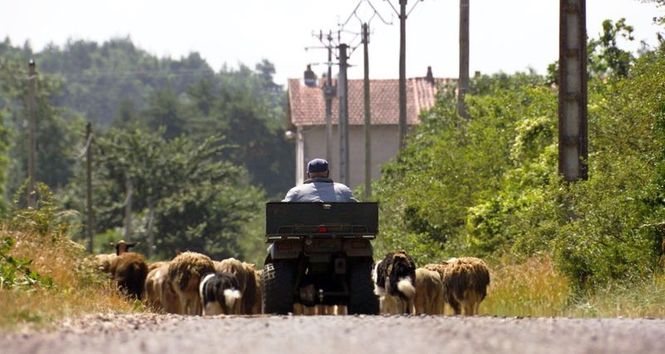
(103, 261)
(160, 295)
(185, 272)
(129, 271)
(429, 292)
(465, 282)
(245, 274)
(122, 247)
(155, 265)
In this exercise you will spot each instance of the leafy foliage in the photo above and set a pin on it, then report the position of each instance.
(44, 275)
(47, 219)
(614, 236)
(181, 193)
(462, 163)
(4, 163)
(489, 186)
(16, 272)
(604, 56)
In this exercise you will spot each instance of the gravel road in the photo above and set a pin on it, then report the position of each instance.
(164, 334)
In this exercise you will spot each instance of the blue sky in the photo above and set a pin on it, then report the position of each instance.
(508, 35)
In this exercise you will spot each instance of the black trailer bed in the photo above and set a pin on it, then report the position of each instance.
(298, 219)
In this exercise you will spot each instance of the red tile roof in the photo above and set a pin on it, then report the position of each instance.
(307, 104)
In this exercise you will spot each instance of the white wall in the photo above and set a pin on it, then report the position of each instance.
(384, 148)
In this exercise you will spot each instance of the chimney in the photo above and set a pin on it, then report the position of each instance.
(310, 77)
(429, 77)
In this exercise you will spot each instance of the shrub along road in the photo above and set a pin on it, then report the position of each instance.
(164, 334)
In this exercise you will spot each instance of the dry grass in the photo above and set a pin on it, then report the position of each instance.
(78, 288)
(535, 288)
(41, 307)
(532, 288)
(644, 298)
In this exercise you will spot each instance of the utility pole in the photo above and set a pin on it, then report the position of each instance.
(88, 184)
(403, 15)
(463, 81)
(342, 87)
(329, 93)
(573, 150)
(402, 72)
(128, 208)
(368, 115)
(151, 234)
(342, 93)
(32, 138)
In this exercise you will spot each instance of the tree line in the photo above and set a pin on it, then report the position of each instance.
(199, 149)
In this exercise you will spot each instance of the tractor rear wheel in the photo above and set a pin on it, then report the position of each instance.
(362, 299)
(278, 282)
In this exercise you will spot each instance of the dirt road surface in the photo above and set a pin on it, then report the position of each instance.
(166, 334)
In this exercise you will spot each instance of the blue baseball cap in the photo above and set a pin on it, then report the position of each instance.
(317, 165)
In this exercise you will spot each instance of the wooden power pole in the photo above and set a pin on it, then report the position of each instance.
(368, 115)
(463, 81)
(32, 136)
(402, 72)
(90, 227)
(342, 93)
(328, 94)
(129, 189)
(573, 150)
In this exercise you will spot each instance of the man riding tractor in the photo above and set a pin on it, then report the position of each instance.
(320, 252)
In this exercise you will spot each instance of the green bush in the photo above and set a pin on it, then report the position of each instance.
(489, 186)
(15, 272)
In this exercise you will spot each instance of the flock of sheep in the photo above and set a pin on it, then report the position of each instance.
(404, 289)
(193, 284)
(189, 284)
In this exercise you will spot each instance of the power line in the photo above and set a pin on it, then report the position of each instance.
(408, 12)
(355, 14)
(403, 15)
(328, 88)
(375, 13)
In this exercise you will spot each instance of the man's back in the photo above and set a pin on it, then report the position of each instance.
(320, 190)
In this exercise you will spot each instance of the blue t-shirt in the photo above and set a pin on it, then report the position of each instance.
(320, 190)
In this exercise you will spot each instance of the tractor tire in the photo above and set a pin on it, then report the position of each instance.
(362, 299)
(278, 282)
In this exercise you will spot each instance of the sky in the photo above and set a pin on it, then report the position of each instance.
(505, 35)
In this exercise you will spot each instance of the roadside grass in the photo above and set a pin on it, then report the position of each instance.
(71, 286)
(40, 308)
(534, 288)
(68, 283)
(642, 298)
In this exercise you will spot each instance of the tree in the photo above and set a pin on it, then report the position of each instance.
(183, 195)
(4, 164)
(605, 57)
(165, 111)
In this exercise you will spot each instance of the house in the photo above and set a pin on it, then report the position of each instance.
(307, 119)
